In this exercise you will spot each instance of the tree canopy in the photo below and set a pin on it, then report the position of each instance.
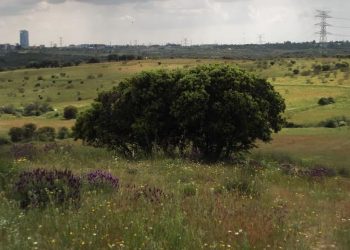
(212, 110)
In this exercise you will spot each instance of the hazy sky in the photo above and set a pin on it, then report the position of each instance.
(160, 21)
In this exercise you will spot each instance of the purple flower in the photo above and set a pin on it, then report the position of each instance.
(102, 179)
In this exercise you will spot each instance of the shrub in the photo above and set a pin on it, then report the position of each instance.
(40, 187)
(216, 110)
(292, 125)
(36, 109)
(4, 141)
(296, 71)
(8, 109)
(24, 151)
(99, 179)
(335, 122)
(63, 133)
(326, 101)
(245, 184)
(16, 134)
(148, 193)
(189, 190)
(46, 134)
(70, 112)
(29, 131)
(7, 172)
(342, 65)
(331, 123)
(93, 60)
(344, 172)
(326, 67)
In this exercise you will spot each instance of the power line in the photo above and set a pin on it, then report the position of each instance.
(340, 35)
(341, 27)
(341, 18)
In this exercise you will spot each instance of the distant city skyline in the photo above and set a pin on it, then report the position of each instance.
(174, 21)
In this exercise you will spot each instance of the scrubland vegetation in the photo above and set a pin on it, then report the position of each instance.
(292, 193)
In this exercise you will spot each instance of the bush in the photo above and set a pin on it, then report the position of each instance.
(344, 172)
(40, 187)
(99, 179)
(296, 71)
(330, 123)
(343, 66)
(326, 101)
(246, 183)
(4, 141)
(7, 172)
(46, 134)
(24, 151)
(29, 131)
(335, 122)
(189, 190)
(63, 133)
(93, 60)
(16, 134)
(25, 133)
(147, 193)
(36, 109)
(70, 112)
(8, 109)
(215, 110)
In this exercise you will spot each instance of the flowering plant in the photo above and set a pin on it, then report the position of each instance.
(39, 187)
(99, 179)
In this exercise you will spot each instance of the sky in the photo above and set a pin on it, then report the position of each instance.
(168, 21)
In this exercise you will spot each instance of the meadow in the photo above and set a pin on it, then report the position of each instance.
(253, 203)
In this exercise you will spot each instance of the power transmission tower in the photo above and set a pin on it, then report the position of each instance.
(323, 24)
(61, 42)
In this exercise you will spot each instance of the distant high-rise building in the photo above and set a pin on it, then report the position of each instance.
(24, 38)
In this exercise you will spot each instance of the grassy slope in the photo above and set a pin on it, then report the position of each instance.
(301, 94)
(289, 213)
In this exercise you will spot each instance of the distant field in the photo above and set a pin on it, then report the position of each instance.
(80, 85)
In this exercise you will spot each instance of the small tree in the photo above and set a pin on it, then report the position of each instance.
(70, 112)
(63, 133)
(46, 134)
(215, 110)
(16, 134)
(29, 131)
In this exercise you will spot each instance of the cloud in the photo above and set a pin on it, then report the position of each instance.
(203, 21)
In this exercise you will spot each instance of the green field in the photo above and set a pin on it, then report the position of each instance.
(197, 208)
(63, 86)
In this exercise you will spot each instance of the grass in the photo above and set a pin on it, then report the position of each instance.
(221, 206)
(290, 212)
(310, 146)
